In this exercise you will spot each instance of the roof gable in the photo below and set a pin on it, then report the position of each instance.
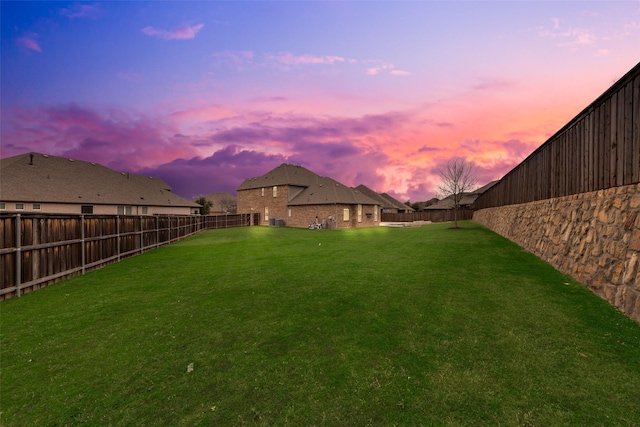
(285, 174)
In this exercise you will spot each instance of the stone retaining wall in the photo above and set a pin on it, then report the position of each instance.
(593, 237)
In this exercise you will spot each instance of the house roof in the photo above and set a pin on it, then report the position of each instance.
(447, 202)
(376, 196)
(485, 187)
(220, 201)
(315, 189)
(466, 199)
(220, 196)
(50, 179)
(384, 200)
(396, 203)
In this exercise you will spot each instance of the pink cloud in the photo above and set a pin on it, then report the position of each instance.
(182, 33)
(29, 42)
(237, 58)
(217, 146)
(90, 11)
(386, 67)
(567, 37)
(123, 138)
(288, 58)
(491, 84)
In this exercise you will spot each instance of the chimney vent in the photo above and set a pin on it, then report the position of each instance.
(31, 159)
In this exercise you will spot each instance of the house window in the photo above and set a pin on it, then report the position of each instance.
(266, 213)
(262, 189)
(275, 191)
(2, 206)
(86, 209)
(124, 210)
(145, 210)
(375, 213)
(289, 212)
(19, 206)
(359, 213)
(345, 214)
(36, 206)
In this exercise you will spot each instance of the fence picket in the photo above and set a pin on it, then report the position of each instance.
(598, 149)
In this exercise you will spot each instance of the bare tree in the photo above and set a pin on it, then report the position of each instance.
(458, 177)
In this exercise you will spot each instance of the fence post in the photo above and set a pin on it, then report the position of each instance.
(18, 255)
(83, 244)
(118, 235)
(141, 235)
(157, 231)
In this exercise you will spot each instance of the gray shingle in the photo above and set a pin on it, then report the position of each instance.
(50, 179)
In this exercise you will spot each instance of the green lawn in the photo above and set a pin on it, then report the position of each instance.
(277, 326)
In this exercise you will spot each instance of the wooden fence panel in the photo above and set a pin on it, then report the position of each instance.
(39, 249)
(433, 216)
(598, 149)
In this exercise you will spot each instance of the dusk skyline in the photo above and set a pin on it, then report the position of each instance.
(206, 94)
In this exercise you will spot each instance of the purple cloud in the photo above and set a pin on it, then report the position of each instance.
(90, 11)
(126, 140)
(427, 149)
(29, 42)
(222, 171)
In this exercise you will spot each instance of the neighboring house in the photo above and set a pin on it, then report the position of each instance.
(34, 182)
(222, 203)
(298, 197)
(466, 202)
(420, 206)
(387, 203)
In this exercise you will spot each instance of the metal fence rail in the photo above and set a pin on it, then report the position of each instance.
(39, 249)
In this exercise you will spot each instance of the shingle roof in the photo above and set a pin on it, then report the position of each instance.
(447, 202)
(285, 174)
(369, 192)
(316, 189)
(221, 201)
(396, 203)
(466, 199)
(485, 187)
(384, 200)
(220, 197)
(51, 179)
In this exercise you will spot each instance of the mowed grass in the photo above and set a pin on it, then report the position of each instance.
(277, 326)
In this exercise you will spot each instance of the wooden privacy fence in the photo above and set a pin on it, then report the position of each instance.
(598, 149)
(38, 249)
(433, 216)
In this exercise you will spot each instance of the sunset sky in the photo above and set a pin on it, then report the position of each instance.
(205, 94)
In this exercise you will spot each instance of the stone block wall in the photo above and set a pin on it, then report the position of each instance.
(593, 237)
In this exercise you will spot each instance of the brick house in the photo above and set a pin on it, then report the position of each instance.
(40, 183)
(294, 196)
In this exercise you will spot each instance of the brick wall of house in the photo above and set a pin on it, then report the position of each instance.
(253, 200)
(301, 216)
(332, 215)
